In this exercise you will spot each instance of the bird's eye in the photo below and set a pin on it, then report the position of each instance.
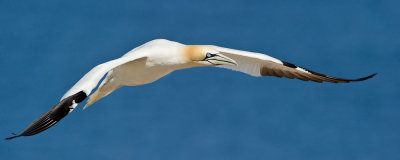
(208, 55)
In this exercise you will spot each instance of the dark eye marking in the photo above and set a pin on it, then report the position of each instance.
(209, 55)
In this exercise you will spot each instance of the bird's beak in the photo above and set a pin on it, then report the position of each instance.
(220, 59)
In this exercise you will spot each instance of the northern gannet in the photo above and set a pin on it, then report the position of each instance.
(155, 59)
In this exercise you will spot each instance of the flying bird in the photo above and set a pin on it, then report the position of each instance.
(157, 58)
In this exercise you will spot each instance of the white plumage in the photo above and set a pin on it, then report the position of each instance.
(155, 59)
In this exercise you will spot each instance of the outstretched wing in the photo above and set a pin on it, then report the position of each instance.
(258, 64)
(75, 95)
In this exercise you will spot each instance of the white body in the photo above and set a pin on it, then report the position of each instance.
(143, 70)
(150, 68)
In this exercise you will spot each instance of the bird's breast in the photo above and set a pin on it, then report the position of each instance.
(140, 72)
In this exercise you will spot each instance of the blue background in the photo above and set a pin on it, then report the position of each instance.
(204, 113)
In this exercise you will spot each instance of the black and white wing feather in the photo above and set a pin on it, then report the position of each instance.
(258, 64)
(53, 116)
(75, 95)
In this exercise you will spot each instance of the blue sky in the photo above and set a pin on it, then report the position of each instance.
(204, 113)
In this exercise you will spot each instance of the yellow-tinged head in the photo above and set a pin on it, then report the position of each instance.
(206, 56)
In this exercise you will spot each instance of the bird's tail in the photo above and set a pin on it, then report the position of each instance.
(108, 85)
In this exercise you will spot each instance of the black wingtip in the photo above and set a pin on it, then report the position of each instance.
(12, 137)
(365, 78)
(52, 116)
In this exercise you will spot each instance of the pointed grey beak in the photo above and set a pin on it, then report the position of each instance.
(220, 59)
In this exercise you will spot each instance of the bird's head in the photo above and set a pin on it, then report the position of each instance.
(206, 56)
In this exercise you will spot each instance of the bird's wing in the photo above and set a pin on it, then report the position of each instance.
(258, 64)
(75, 95)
